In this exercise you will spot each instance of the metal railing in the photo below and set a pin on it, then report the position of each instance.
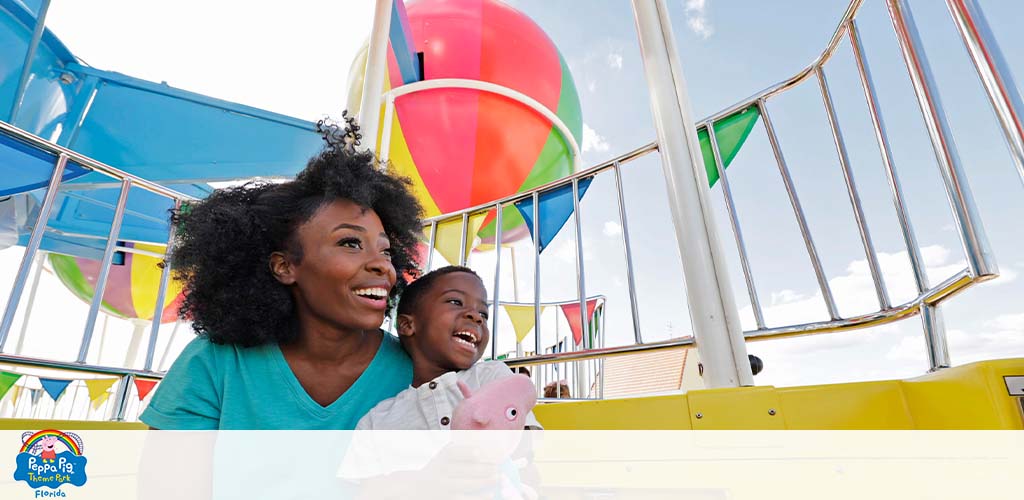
(127, 181)
(981, 265)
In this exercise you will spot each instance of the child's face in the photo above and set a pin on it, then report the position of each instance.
(450, 322)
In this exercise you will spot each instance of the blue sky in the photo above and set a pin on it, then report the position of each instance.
(730, 50)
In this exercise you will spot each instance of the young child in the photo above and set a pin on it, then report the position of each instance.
(442, 324)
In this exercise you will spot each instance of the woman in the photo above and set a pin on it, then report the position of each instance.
(287, 285)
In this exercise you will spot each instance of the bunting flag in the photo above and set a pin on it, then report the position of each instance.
(449, 235)
(15, 394)
(144, 386)
(7, 380)
(54, 386)
(98, 390)
(730, 133)
(555, 208)
(572, 315)
(35, 395)
(522, 319)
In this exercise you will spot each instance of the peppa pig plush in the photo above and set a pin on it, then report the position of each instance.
(499, 405)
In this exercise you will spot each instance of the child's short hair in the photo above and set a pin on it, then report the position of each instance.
(558, 389)
(412, 293)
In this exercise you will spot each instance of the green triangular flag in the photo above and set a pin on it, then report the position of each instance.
(7, 380)
(731, 132)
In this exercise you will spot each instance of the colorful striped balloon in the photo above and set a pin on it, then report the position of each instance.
(131, 287)
(462, 147)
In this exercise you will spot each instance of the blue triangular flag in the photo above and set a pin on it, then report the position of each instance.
(54, 386)
(555, 208)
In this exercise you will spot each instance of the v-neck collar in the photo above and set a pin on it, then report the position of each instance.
(303, 397)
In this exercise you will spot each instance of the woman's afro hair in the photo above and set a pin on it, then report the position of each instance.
(223, 244)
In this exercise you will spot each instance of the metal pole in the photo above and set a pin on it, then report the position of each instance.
(376, 69)
(630, 280)
(581, 286)
(851, 189)
(935, 337)
(994, 73)
(536, 272)
(30, 55)
(170, 342)
(121, 398)
(39, 260)
(430, 251)
(798, 213)
(101, 280)
(34, 240)
(497, 284)
(882, 138)
(161, 294)
(715, 318)
(385, 138)
(734, 221)
(463, 240)
(980, 260)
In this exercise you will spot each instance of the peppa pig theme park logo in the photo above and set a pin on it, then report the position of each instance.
(50, 459)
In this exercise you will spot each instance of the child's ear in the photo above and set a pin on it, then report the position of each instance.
(406, 325)
(281, 268)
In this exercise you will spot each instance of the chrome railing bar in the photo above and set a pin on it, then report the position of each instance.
(104, 274)
(29, 361)
(980, 260)
(630, 277)
(536, 271)
(496, 300)
(851, 189)
(90, 163)
(994, 73)
(35, 239)
(564, 181)
(430, 250)
(39, 259)
(581, 286)
(161, 294)
(882, 138)
(462, 238)
(734, 221)
(30, 56)
(798, 212)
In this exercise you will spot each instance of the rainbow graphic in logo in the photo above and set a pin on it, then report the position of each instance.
(50, 458)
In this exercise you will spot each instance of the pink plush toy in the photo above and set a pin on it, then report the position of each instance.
(499, 405)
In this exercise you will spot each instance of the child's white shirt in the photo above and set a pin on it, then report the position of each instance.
(430, 406)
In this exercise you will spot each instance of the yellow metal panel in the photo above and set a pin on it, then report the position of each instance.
(972, 396)
(645, 413)
(738, 408)
(862, 406)
(28, 424)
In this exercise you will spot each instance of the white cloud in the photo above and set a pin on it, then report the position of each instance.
(615, 60)
(696, 12)
(592, 141)
(785, 297)
(611, 229)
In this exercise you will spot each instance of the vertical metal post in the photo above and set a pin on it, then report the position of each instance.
(376, 70)
(39, 260)
(101, 280)
(30, 55)
(536, 272)
(170, 342)
(980, 260)
(463, 240)
(161, 294)
(935, 337)
(430, 251)
(34, 240)
(798, 213)
(496, 300)
(581, 286)
(851, 189)
(994, 73)
(630, 280)
(385, 137)
(716, 324)
(734, 221)
(882, 138)
(120, 404)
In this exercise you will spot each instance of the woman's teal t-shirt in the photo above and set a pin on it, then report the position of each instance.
(214, 386)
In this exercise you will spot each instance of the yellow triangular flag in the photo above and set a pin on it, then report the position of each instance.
(522, 319)
(15, 394)
(449, 235)
(98, 388)
(98, 402)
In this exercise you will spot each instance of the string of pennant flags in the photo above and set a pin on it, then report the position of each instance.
(99, 388)
(523, 318)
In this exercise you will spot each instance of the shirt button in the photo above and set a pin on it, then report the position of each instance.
(445, 420)
(432, 385)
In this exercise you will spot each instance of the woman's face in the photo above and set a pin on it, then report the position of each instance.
(344, 275)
